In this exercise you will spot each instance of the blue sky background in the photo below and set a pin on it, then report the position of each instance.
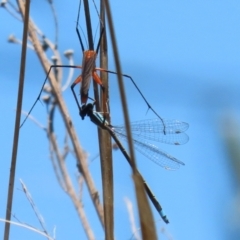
(185, 57)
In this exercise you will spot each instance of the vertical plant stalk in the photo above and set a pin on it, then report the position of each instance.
(81, 158)
(104, 138)
(91, 46)
(105, 144)
(145, 214)
(17, 122)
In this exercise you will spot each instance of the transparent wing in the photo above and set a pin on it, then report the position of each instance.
(166, 131)
(153, 153)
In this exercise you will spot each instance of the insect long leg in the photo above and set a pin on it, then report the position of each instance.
(145, 100)
(77, 30)
(78, 80)
(99, 41)
(39, 95)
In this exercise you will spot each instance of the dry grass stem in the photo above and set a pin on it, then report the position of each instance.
(17, 123)
(70, 189)
(146, 218)
(33, 205)
(81, 160)
(131, 218)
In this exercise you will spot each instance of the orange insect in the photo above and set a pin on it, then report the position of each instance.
(88, 67)
(89, 71)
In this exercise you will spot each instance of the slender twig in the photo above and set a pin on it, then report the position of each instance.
(145, 214)
(167, 234)
(88, 24)
(39, 217)
(54, 153)
(55, 21)
(13, 12)
(27, 227)
(68, 122)
(69, 188)
(17, 122)
(13, 39)
(104, 138)
(58, 160)
(105, 145)
(131, 218)
(34, 120)
(65, 176)
(69, 55)
(91, 47)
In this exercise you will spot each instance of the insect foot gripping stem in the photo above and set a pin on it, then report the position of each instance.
(83, 111)
(86, 110)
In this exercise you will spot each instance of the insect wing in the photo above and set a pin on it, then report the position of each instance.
(153, 129)
(88, 66)
(156, 155)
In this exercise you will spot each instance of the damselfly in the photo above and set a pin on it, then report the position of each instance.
(159, 130)
(151, 151)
